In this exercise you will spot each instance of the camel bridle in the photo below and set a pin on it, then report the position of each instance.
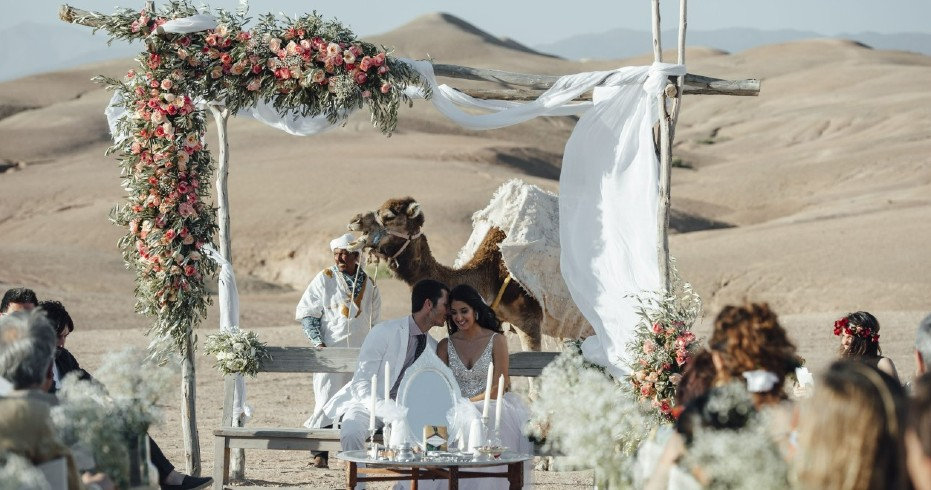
(408, 238)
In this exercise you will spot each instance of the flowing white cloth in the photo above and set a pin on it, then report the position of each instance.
(608, 198)
(326, 297)
(229, 322)
(187, 25)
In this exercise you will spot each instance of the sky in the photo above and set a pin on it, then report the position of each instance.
(541, 21)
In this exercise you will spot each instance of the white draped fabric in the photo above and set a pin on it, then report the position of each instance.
(608, 186)
(229, 322)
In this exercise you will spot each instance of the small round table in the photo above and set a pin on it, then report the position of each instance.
(433, 468)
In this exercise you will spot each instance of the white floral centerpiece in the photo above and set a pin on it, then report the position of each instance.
(17, 473)
(237, 352)
(590, 419)
(663, 344)
(111, 415)
(742, 457)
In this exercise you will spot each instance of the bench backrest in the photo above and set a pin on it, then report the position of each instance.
(343, 360)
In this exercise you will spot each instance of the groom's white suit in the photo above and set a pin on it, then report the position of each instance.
(387, 342)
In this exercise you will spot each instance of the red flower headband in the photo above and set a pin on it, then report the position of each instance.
(843, 326)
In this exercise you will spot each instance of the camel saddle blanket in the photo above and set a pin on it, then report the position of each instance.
(529, 216)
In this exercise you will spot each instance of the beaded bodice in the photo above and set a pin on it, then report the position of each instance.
(471, 381)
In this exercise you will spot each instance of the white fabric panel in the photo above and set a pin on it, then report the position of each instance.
(607, 209)
(229, 322)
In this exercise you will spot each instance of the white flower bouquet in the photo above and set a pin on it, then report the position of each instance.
(589, 418)
(114, 411)
(238, 352)
(17, 473)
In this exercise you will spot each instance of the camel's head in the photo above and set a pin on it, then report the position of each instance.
(389, 228)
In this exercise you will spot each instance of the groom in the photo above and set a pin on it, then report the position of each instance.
(398, 342)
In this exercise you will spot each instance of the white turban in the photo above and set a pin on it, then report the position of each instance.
(344, 242)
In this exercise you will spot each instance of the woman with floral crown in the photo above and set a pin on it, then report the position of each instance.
(475, 342)
(859, 333)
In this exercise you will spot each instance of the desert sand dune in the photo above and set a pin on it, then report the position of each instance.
(813, 196)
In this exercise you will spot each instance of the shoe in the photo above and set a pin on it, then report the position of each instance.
(190, 483)
(321, 462)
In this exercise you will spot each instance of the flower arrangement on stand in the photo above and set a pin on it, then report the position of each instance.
(237, 352)
(663, 343)
(590, 419)
(111, 415)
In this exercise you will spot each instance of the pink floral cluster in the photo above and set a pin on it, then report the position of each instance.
(164, 204)
(290, 60)
(662, 352)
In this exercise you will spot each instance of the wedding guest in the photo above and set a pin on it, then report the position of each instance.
(850, 433)
(17, 299)
(918, 434)
(27, 346)
(749, 345)
(923, 346)
(697, 378)
(398, 342)
(859, 333)
(65, 364)
(338, 308)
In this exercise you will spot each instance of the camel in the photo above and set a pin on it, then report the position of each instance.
(393, 233)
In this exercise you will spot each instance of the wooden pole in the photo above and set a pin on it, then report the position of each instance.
(189, 408)
(221, 116)
(665, 167)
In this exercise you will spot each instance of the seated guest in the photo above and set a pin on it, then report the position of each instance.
(859, 341)
(65, 363)
(27, 346)
(18, 299)
(850, 431)
(918, 432)
(923, 347)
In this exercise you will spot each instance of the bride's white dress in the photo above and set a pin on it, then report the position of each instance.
(514, 414)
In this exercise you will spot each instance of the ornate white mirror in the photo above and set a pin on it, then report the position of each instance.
(430, 393)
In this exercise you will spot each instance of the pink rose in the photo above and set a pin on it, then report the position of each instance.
(135, 148)
(648, 347)
(360, 77)
(379, 59)
(189, 270)
(166, 84)
(385, 88)
(657, 328)
(675, 378)
(254, 84)
(382, 69)
(274, 44)
(348, 57)
(186, 210)
(366, 94)
(333, 49)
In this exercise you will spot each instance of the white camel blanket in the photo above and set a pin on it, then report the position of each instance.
(529, 216)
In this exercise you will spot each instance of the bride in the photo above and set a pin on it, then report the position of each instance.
(475, 340)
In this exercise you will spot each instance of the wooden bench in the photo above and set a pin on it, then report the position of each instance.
(310, 360)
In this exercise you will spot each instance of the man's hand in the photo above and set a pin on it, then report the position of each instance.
(97, 481)
(320, 346)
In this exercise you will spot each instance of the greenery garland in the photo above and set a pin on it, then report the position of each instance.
(304, 65)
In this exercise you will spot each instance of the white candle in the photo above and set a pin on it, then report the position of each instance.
(498, 403)
(372, 402)
(491, 374)
(388, 382)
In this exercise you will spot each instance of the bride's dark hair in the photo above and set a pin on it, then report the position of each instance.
(484, 316)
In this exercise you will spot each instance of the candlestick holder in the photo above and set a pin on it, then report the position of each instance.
(373, 446)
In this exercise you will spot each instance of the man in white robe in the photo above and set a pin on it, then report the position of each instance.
(339, 307)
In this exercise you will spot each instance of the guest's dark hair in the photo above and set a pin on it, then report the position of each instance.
(18, 295)
(863, 347)
(727, 407)
(484, 316)
(424, 290)
(697, 378)
(58, 315)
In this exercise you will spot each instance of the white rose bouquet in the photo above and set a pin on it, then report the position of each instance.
(237, 352)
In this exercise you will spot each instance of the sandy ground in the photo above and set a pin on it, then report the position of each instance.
(813, 196)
